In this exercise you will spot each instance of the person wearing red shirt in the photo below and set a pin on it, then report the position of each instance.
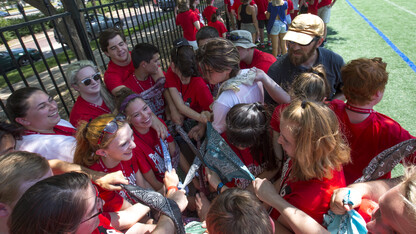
(368, 132)
(324, 11)
(249, 56)
(94, 99)
(193, 7)
(313, 171)
(189, 22)
(209, 10)
(154, 155)
(261, 19)
(313, 7)
(218, 24)
(114, 45)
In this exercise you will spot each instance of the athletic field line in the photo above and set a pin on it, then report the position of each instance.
(385, 38)
(400, 7)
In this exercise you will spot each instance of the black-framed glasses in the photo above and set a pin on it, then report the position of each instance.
(87, 81)
(314, 39)
(233, 37)
(111, 127)
(97, 200)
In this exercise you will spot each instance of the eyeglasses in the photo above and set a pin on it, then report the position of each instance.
(233, 37)
(314, 39)
(111, 127)
(97, 201)
(87, 81)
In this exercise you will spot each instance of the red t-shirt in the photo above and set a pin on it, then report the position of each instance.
(219, 26)
(149, 152)
(115, 75)
(186, 21)
(312, 196)
(196, 93)
(261, 60)
(157, 104)
(83, 110)
(324, 3)
(105, 225)
(237, 3)
(129, 169)
(247, 158)
(289, 6)
(208, 11)
(313, 8)
(368, 138)
(275, 120)
(228, 3)
(197, 13)
(261, 8)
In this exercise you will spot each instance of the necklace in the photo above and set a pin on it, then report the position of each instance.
(160, 153)
(138, 82)
(359, 110)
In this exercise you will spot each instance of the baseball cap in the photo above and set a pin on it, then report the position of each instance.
(180, 42)
(304, 28)
(241, 38)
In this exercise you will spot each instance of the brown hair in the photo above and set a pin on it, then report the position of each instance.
(248, 126)
(54, 205)
(312, 85)
(107, 35)
(16, 105)
(184, 60)
(15, 169)
(320, 145)
(363, 78)
(218, 54)
(87, 137)
(237, 211)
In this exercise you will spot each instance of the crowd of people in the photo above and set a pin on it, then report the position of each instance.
(302, 124)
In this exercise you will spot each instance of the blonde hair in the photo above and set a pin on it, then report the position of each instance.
(87, 137)
(15, 169)
(320, 145)
(409, 190)
(72, 72)
(311, 86)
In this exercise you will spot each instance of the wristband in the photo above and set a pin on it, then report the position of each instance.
(219, 187)
(173, 187)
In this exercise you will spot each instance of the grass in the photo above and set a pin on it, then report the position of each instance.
(352, 37)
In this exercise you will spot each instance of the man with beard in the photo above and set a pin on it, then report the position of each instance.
(304, 37)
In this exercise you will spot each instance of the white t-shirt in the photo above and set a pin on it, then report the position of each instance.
(50, 146)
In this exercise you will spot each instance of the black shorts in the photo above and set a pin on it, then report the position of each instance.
(262, 23)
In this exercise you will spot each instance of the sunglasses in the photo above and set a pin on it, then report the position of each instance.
(87, 81)
(314, 39)
(97, 201)
(111, 127)
(233, 37)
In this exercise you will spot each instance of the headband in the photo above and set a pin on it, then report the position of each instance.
(127, 100)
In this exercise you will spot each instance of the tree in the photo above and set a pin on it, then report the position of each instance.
(69, 34)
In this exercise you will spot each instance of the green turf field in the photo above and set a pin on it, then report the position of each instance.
(352, 37)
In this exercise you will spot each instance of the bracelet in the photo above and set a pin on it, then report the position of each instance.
(173, 187)
(219, 187)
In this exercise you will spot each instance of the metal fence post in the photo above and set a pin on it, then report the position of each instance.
(76, 17)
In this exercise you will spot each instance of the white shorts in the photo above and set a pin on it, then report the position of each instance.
(325, 13)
